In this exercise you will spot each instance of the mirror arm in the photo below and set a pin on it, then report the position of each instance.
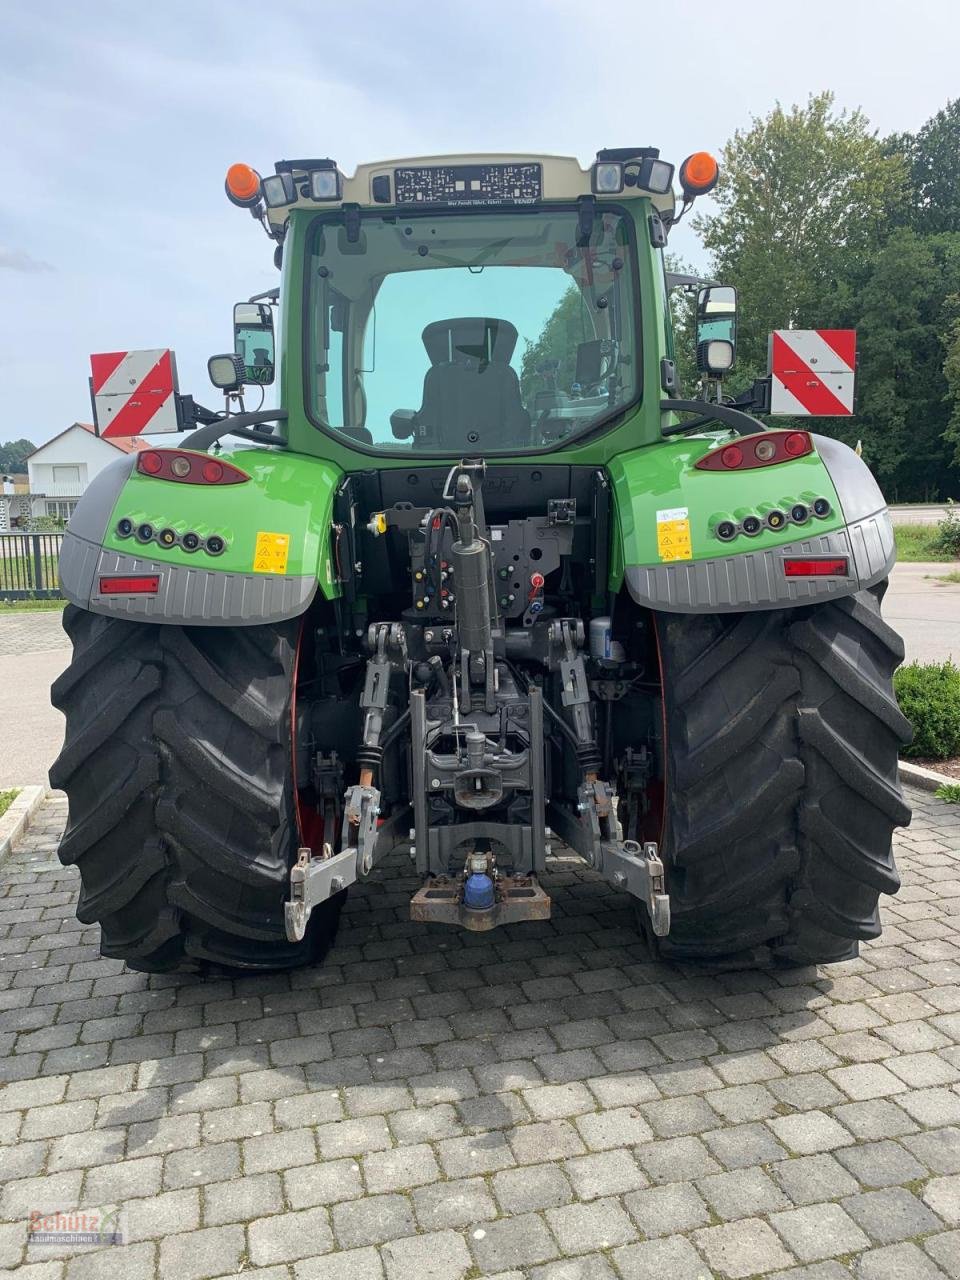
(190, 413)
(741, 422)
(237, 424)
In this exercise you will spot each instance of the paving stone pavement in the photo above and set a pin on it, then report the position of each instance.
(37, 632)
(542, 1103)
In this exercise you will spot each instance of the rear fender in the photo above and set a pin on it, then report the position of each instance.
(275, 528)
(668, 512)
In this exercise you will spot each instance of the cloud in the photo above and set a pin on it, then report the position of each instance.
(20, 260)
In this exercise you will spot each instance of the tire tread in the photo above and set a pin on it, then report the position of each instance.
(778, 828)
(177, 764)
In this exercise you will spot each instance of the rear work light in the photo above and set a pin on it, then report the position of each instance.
(147, 585)
(187, 467)
(817, 567)
(762, 450)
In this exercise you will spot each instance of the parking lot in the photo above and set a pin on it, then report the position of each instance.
(540, 1102)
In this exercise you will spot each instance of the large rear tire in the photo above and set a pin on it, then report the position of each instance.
(179, 769)
(782, 736)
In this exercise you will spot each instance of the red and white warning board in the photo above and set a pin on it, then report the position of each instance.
(812, 371)
(134, 392)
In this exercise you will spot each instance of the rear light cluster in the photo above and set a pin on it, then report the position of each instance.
(166, 537)
(762, 450)
(775, 519)
(188, 468)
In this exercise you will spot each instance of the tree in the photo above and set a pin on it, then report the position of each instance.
(900, 305)
(801, 193)
(551, 361)
(951, 373)
(13, 455)
(932, 156)
(683, 311)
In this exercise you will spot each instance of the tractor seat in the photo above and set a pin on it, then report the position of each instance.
(471, 395)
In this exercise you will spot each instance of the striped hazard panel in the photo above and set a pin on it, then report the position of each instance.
(134, 392)
(813, 371)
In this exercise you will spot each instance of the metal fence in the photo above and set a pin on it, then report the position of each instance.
(29, 565)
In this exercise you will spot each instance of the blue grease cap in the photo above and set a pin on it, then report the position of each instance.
(478, 892)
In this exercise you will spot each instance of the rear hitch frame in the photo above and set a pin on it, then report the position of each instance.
(518, 897)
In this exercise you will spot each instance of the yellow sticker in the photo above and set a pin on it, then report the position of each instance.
(673, 534)
(270, 555)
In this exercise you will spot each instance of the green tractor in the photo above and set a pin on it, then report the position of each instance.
(481, 585)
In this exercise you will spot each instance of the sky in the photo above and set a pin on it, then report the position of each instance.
(120, 121)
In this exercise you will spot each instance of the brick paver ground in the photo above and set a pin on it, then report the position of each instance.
(36, 632)
(542, 1102)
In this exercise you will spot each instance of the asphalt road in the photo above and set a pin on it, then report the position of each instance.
(34, 650)
(925, 611)
(918, 513)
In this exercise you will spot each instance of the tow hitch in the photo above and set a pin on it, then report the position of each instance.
(479, 901)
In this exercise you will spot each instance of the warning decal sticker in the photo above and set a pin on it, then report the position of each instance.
(673, 534)
(270, 555)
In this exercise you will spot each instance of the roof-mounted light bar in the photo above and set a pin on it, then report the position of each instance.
(318, 180)
(622, 167)
(279, 189)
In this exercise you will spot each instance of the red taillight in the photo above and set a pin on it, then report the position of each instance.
(186, 467)
(148, 585)
(796, 444)
(817, 567)
(762, 450)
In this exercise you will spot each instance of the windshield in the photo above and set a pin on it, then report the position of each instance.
(470, 332)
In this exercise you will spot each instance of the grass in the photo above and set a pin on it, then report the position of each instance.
(948, 577)
(30, 606)
(918, 542)
(950, 791)
(16, 572)
(6, 800)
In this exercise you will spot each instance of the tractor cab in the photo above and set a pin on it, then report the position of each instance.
(490, 305)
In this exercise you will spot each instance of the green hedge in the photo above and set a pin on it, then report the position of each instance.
(929, 696)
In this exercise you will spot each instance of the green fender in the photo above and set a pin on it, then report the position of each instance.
(275, 527)
(666, 547)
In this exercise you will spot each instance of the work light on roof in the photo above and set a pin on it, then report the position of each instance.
(325, 184)
(618, 169)
(654, 175)
(608, 178)
(279, 189)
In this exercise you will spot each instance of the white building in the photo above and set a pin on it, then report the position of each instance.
(61, 469)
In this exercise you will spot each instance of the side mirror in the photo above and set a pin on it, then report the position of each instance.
(253, 341)
(716, 329)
